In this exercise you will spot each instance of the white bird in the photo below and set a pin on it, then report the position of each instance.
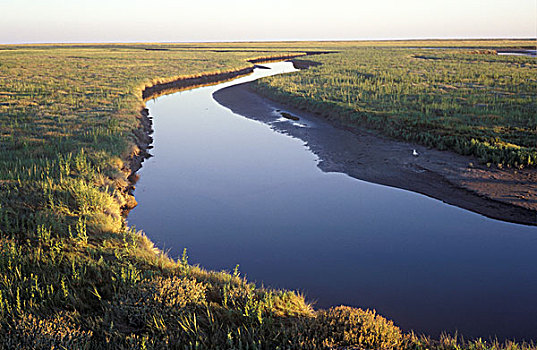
(415, 153)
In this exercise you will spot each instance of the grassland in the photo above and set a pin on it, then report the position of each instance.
(468, 101)
(73, 276)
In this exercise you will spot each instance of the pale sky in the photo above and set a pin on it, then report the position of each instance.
(31, 21)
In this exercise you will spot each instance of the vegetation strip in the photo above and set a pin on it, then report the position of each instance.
(474, 104)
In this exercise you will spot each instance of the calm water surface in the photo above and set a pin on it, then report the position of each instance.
(233, 191)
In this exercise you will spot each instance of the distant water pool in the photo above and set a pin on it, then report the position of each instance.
(233, 191)
(531, 53)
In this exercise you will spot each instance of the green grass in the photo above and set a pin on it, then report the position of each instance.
(73, 276)
(474, 104)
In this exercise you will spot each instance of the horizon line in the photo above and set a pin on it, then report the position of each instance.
(273, 41)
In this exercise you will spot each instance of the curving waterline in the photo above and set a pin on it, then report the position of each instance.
(233, 191)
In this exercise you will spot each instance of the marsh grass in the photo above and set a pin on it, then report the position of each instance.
(482, 105)
(73, 275)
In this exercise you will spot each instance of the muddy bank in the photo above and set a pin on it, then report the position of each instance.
(504, 194)
(213, 78)
(157, 89)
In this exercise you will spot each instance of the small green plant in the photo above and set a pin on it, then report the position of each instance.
(81, 231)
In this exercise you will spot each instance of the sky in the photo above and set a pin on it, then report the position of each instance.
(38, 21)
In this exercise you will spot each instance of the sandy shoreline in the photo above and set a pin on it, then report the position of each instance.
(504, 194)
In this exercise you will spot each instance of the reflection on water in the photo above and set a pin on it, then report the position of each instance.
(531, 53)
(233, 191)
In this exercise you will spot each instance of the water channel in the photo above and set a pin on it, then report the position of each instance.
(235, 191)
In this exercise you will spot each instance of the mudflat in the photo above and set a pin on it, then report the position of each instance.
(504, 194)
